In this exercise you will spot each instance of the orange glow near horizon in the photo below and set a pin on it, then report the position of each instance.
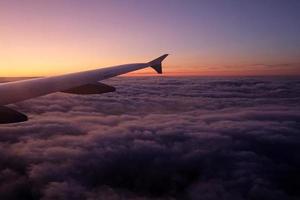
(50, 59)
(31, 62)
(52, 69)
(150, 72)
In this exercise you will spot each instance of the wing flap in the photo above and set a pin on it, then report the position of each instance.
(8, 115)
(96, 88)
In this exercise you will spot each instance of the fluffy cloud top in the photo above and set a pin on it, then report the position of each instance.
(158, 138)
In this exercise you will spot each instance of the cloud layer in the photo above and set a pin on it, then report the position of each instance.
(158, 138)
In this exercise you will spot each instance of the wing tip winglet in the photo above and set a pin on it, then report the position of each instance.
(156, 63)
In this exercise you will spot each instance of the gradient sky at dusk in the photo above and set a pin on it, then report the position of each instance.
(204, 37)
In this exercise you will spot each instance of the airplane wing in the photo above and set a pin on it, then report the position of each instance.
(12, 79)
(83, 83)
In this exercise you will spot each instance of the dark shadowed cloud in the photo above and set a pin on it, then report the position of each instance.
(158, 138)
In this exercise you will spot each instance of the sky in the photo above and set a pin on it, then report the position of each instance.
(204, 37)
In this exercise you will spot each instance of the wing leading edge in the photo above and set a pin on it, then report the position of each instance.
(12, 92)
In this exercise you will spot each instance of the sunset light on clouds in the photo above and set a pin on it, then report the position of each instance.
(42, 38)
